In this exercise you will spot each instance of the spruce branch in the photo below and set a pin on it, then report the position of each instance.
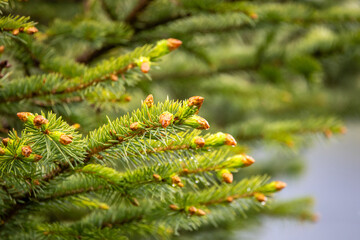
(17, 24)
(53, 84)
(139, 7)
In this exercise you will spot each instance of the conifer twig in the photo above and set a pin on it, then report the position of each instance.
(141, 5)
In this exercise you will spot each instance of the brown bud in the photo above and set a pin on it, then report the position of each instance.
(15, 32)
(134, 126)
(149, 101)
(227, 177)
(173, 43)
(180, 184)
(26, 151)
(157, 177)
(328, 133)
(23, 115)
(254, 16)
(200, 212)
(31, 30)
(36, 182)
(174, 207)
(40, 120)
(176, 179)
(113, 77)
(145, 67)
(315, 217)
(279, 185)
(65, 139)
(76, 125)
(2, 48)
(343, 130)
(260, 197)
(230, 140)
(230, 199)
(134, 202)
(2, 151)
(127, 98)
(5, 141)
(37, 158)
(248, 160)
(196, 101)
(165, 119)
(21, 29)
(200, 142)
(203, 124)
(186, 171)
(192, 210)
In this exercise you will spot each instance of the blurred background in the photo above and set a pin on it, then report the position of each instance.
(281, 76)
(331, 176)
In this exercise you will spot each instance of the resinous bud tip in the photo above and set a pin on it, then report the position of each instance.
(173, 43)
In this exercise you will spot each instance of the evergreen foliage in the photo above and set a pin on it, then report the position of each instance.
(74, 169)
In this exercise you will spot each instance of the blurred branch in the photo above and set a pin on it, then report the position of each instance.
(140, 7)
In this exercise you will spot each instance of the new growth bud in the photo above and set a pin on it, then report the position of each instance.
(144, 64)
(61, 137)
(134, 202)
(197, 122)
(65, 139)
(343, 130)
(2, 151)
(230, 199)
(175, 179)
(40, 120)
(145, 67)
(37, 158)
(260, 197)
(26, 151)
(165, 119)
(273, 187)
(192, 210)
(157, 177)
(220, 139)
(114, 78)
(76, 126)
(5, 141)
(173, 44)
(25, 116)
(226, 176)
(254, 16)
(149, 101)
(198, 142)
(31, 30)
(174, 207)
(240, 160)
(16, 32)
(230, 140)
(279, 185)
(196, 101)
(200, 212)
(135, 126)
